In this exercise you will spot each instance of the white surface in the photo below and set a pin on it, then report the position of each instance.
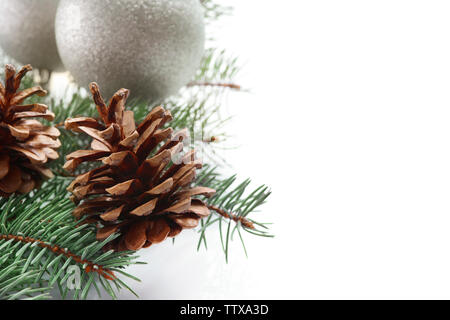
(348, 123)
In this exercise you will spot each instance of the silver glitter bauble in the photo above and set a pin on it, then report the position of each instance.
(27, 32)
(152, 47)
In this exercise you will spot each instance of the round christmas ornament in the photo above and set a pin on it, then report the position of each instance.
(28, 32)
(152, 47)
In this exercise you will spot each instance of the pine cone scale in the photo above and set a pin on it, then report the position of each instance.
(19, 98)
(4, 165)
(136, 237)
(161, 188)
(157, 231)
(129, 126)
(20, 134)
(11, 181)
(113, 214)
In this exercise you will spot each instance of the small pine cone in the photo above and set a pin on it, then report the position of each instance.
(25, 143)
(137, 189)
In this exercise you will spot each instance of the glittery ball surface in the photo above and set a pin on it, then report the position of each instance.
(152, 47)
(27, 32)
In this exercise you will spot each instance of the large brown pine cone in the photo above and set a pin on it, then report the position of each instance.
(137, 189)
(25, 143)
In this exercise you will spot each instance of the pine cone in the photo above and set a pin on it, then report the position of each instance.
(137, 189)
(25, 143)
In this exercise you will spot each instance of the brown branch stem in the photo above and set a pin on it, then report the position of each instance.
(211, 140)
(91, 267)
(246, 223)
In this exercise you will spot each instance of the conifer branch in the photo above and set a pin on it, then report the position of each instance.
(232, 203)
(217, 67)
(246, 223)
(40, 240)
(89, 266)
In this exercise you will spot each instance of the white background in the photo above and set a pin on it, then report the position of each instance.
(349, 123)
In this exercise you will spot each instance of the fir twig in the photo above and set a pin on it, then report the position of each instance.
(246, 223)
(232, 203)
(40, 240)
(90, 266)
(217, 67)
